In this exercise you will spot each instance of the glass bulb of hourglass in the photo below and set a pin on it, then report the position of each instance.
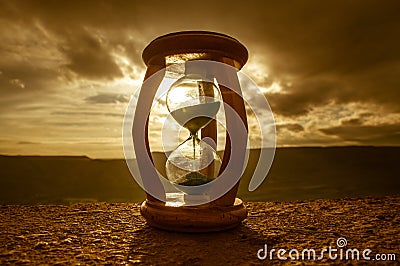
(193, 102)
(187, 168)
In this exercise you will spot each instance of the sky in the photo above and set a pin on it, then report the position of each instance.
(329, 69)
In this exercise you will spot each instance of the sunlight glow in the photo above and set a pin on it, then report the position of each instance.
(127, 81)
(274, 88)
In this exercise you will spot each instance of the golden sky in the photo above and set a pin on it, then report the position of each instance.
(329, 69)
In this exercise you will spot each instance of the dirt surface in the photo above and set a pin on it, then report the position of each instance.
(117, 234)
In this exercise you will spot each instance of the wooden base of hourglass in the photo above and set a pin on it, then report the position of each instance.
(202, 218)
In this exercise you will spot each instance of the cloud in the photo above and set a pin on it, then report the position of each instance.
(84, 41)
(107, 98)
(309, 93)
(27, 142)
(23, 84)
(87, 113)
(89, 58)
(383, 134)
(304, 43)
(22, 77)
(291, 127)
(326, 58)
(352, 122)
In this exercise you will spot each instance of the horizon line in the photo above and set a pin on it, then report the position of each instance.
(156, 151)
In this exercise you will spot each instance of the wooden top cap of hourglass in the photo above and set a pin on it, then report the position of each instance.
(213, 45)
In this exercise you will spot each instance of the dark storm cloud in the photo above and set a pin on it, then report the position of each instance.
(107, 98)
(89, 58)
(310, 92)
(337, 52)
(85, 33)
(352, 122)
(291, 127)
(352, 44)
(383, 134)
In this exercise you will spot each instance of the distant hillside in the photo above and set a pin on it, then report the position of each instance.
(332, 172)
(37, 179)
(296, 174)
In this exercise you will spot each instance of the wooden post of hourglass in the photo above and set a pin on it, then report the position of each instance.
(144, 104)
(236, 101)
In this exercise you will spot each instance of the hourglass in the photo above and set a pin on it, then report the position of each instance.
(207, 86)
(193, 101)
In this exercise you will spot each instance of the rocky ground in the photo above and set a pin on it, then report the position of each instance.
(116, 234)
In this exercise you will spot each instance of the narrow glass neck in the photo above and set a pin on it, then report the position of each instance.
(194, 135)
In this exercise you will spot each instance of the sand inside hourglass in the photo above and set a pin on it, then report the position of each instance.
(194, 179)
(197, 116)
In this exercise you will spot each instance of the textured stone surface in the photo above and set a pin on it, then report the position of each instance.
(117, 234)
